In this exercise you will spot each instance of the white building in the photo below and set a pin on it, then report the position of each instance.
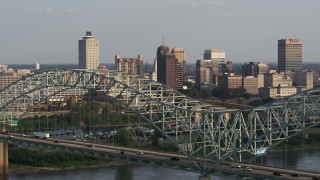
(277, 79)
(303, 78)
(277, 92)
(88, 52)
(37, 66)
(3, 67)
(250, 83)
(153, 74)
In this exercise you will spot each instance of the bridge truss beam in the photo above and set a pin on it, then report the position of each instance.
(200, 130)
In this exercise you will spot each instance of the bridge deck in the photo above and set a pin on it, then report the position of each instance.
(149, 157)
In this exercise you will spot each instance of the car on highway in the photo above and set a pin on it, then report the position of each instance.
(295, 175)
(56, 141)
(174, 159)
(91, 145)
(236, 165)
(140, 152)
(121, 152)
(247, 169)
(276, 173)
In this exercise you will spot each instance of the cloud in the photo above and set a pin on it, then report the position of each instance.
(71, 10)
(164, 5)
(215, 2)
(193, 4)
(46, 10)
(226, 14)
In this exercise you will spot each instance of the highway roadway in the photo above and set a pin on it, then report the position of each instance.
(164, 159)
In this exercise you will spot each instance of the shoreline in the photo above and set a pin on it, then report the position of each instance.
(15, 169)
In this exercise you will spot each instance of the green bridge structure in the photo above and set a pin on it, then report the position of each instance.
(198, 129)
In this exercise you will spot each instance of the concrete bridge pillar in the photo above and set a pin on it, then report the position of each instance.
(3, 159)
(204, 177)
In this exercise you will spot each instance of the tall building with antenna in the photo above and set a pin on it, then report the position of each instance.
(89, 52)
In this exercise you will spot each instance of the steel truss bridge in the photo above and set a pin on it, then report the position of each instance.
(198, 129)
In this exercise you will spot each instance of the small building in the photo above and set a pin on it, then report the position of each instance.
(250, 84)
(277, 92)
(230, 81)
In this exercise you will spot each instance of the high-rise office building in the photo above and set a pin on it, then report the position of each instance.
(153, 74)
(88, 52)
(181, 57)
(227, 67)
(206, 74)
(218, 56)
(253, 69)
(169, 70)
(289, 54)
(214, 54)
(248, 69)
(130, 65)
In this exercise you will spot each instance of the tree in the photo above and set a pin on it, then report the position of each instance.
(124, 137)
(256, 102)
(206, 94)
(221, 93)
(237, 92)
(268, 100)
(194, 93)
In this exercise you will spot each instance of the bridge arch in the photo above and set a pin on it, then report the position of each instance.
(201, 131)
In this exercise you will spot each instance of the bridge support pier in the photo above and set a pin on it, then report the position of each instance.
(205, 177)
(3, 159)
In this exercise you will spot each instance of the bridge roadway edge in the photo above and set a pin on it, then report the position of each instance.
(138, 159)
(43, 144)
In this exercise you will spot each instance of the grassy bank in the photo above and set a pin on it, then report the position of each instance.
(34, 160)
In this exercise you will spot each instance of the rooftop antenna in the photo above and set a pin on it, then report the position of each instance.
(162, 39)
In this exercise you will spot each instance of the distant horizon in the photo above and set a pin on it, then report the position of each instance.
(144, 63)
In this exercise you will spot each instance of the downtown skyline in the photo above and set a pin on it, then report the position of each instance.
(48, 32)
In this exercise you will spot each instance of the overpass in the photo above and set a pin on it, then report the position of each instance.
(154, 158)
(198, 129)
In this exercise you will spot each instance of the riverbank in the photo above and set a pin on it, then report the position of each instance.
(22, 161)
(21, 169)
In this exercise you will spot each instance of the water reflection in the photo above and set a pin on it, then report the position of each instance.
(295, 159)
(124, 172)
(304, 160)
(127, 172)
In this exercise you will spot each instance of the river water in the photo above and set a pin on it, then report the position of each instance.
(301, 159)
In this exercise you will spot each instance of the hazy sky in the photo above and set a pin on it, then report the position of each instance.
(47, 31)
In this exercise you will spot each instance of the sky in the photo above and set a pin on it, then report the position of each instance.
(47, 31)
